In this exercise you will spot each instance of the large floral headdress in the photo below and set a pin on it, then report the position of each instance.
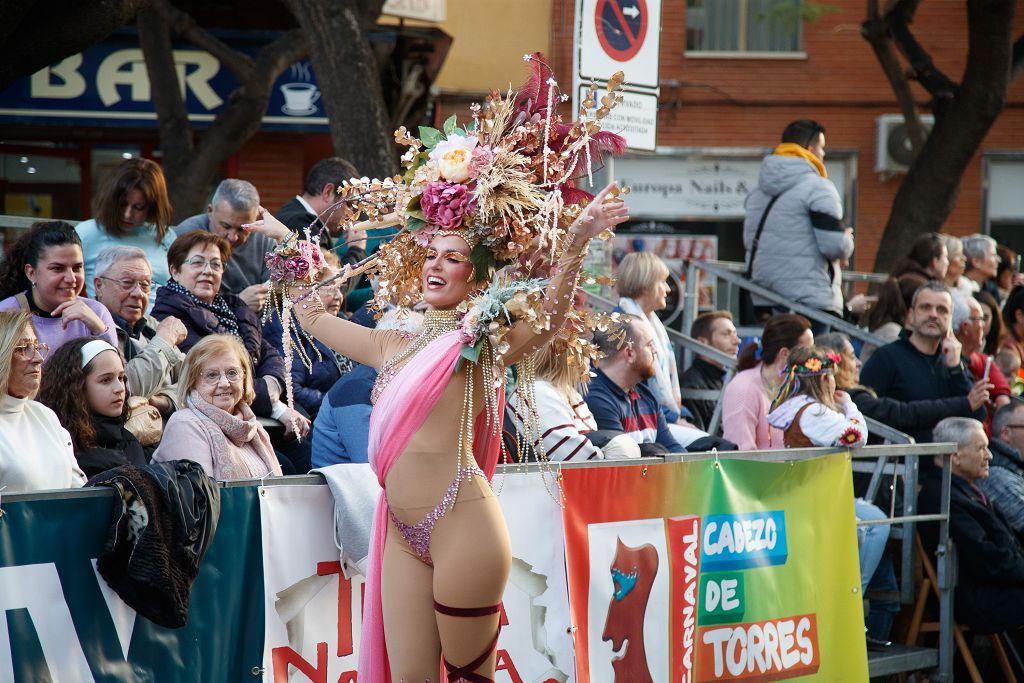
(506, 180)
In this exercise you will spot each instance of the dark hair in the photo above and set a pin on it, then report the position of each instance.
(931, 286)
(28, 249)
(1014, 302)
(894, 297)
(143, 175)
(782, 331)
(329, 171)
(995, 333)
(1004, 414)
(63, 391)
(803, 132)
(705, 321)
(1007, 257)
(178, 251)
(925, 249)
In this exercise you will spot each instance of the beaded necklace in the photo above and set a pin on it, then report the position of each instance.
(435, 323)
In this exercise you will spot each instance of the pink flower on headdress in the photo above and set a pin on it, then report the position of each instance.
(297, 267)
(446, 204)
(424, 236)
(483, 157)
(834, 357)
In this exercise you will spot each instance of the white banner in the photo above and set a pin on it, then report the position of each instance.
(312, 618)
(312, 627)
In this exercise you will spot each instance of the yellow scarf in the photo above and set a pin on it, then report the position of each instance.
(791, 149)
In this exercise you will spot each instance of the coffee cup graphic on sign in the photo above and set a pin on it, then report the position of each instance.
(300, 98)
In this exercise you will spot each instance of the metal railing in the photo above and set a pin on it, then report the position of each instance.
(688, 345)
(906, 659)
(726, 272)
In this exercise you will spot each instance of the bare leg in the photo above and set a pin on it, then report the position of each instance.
(471, 553)
(410, 628)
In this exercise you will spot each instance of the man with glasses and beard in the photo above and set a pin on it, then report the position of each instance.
(618, 397)
(925, 362)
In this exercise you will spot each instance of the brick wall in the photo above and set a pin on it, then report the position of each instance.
(727, 102)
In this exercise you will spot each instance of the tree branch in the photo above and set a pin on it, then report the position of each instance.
(168, 102)
(898, 19)
(282, 53)
(876, 32)
(184, 25)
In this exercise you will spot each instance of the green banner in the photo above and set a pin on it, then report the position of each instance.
(60, 626)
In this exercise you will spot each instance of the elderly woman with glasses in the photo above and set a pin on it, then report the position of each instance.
(214, 425)
(193, 295)
(36, 452)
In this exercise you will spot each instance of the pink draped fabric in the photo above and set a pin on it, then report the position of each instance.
(401, 409)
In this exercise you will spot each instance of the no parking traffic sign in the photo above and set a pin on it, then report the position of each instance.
(621, 27)
(620, 35)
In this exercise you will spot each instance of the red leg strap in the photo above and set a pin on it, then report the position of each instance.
(466, 611)
(465, 672)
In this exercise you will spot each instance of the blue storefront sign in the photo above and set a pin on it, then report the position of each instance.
(107, 85)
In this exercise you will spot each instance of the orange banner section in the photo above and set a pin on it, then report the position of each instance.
(769, 650)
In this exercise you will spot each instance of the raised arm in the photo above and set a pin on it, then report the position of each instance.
(600, 215)
(359, 343)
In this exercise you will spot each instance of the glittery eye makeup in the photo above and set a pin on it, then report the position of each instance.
(457, 256)
(431, 253)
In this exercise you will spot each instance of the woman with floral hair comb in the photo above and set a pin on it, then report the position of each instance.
(492, 242)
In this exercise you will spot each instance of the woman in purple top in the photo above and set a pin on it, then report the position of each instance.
(42, 274)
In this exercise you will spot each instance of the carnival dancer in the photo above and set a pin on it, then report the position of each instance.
(492, 193)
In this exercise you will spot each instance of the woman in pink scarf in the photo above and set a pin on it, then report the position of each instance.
(440, 556)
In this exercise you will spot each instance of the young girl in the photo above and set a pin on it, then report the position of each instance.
(809, 410)
(84, 383)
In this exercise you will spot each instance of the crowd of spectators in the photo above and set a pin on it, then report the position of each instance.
(126, 340)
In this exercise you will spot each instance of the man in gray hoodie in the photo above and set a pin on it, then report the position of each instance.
(803, 241)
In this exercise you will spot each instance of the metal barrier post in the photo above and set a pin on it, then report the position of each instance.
(947, 580)
(691, 303)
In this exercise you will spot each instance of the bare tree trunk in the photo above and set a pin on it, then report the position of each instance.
(347, 74)
(190, 167)
(964, 113)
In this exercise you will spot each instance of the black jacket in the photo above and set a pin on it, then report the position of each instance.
(115, 446)
(907, 416)
(989, 595)
(200, 322)
(153, 571)
(701, 375)
(900, 371)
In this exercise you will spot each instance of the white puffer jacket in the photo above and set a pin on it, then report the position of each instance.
(802, 237)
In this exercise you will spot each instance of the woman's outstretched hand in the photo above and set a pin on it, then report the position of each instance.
(601, 214)
(267, 225)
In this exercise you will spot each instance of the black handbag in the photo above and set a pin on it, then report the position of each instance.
(748, 312)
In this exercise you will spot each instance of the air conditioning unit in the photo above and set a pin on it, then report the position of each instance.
(893, 153)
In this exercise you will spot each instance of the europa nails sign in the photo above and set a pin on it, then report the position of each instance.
(621, 35)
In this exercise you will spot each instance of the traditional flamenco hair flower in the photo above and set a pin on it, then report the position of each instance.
(804, 363)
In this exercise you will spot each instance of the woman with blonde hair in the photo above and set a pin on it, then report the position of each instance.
(35, 450)
(565, 420)
(642, 283)
(131, 209)
(214, 425)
